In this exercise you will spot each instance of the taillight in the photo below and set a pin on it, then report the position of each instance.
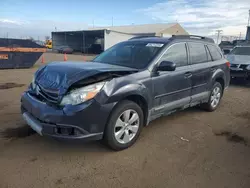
(228, 64)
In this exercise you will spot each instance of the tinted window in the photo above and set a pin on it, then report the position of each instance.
(177, 54)
(130, 54)
(216, 55)
(241, 51)
(198, 53)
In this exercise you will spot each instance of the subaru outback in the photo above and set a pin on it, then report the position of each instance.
(124, 88)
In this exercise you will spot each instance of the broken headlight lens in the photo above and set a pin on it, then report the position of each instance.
(83, 94)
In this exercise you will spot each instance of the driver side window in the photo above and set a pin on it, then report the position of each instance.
(177, 54)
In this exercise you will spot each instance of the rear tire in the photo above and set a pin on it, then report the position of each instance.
(214, 99)
(124, 125)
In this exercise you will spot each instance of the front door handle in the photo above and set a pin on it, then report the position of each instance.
(188, 75)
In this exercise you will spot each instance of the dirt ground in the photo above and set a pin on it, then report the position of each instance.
(188, 149)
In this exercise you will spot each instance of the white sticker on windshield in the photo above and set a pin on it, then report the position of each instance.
(158, 45)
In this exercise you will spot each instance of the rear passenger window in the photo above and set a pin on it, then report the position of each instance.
(198, 53)
(176, 54)
(216, 55)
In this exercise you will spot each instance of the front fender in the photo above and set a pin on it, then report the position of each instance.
(120, 88)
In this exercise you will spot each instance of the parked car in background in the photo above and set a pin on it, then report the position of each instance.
(238, 42)
(65, 50)
(124, 88)
(239, 58)
(226, 46)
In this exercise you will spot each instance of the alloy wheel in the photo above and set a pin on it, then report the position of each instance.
(127, 126)
(215, 97)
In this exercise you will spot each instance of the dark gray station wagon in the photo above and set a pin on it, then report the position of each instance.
(124, 88)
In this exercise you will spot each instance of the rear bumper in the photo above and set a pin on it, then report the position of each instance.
(81, 122)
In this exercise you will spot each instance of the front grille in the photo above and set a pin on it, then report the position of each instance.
(244, 67)
(239, 66)
(235, 65)
(45, 95)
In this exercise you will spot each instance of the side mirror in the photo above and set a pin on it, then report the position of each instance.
(166, 66)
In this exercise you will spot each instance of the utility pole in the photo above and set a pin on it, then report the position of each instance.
(218, 34)
(93, 22)
(248, 23)
(240, 36)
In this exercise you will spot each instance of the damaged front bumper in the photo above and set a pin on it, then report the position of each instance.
(82, 122)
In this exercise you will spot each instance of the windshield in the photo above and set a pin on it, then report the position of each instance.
(241, 51)
(226, 42)
(130, 54)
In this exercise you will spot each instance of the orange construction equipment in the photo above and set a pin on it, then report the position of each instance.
(65, 57)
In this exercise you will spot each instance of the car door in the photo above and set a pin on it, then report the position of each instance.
(200, 62)
(172, 89)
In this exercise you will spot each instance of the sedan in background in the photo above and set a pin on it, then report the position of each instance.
(65, 50)
(226, 45)
(239, 58)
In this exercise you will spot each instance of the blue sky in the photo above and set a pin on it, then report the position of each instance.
(21, 18)
(76, 10)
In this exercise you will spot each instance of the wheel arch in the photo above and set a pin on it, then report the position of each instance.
(221, 81)
(219, 76)
(142, 103)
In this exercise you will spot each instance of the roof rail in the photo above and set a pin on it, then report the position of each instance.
(193, 37)
(140, 37)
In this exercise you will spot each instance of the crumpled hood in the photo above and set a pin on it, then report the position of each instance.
(59, 76)
(239, 59)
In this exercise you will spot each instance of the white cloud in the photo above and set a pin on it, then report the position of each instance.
(203, 17)
(35, 28)
(9, 21)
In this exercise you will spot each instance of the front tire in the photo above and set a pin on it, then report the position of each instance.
(124, 125)
(214, 99)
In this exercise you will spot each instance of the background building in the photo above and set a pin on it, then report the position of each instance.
(95, 40)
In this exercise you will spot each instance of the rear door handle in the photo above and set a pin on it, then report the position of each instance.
(188, 75)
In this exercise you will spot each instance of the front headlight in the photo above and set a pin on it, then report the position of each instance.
(83, 94)
(248, 67)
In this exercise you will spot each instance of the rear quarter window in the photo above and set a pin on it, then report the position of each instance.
(214, 51)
